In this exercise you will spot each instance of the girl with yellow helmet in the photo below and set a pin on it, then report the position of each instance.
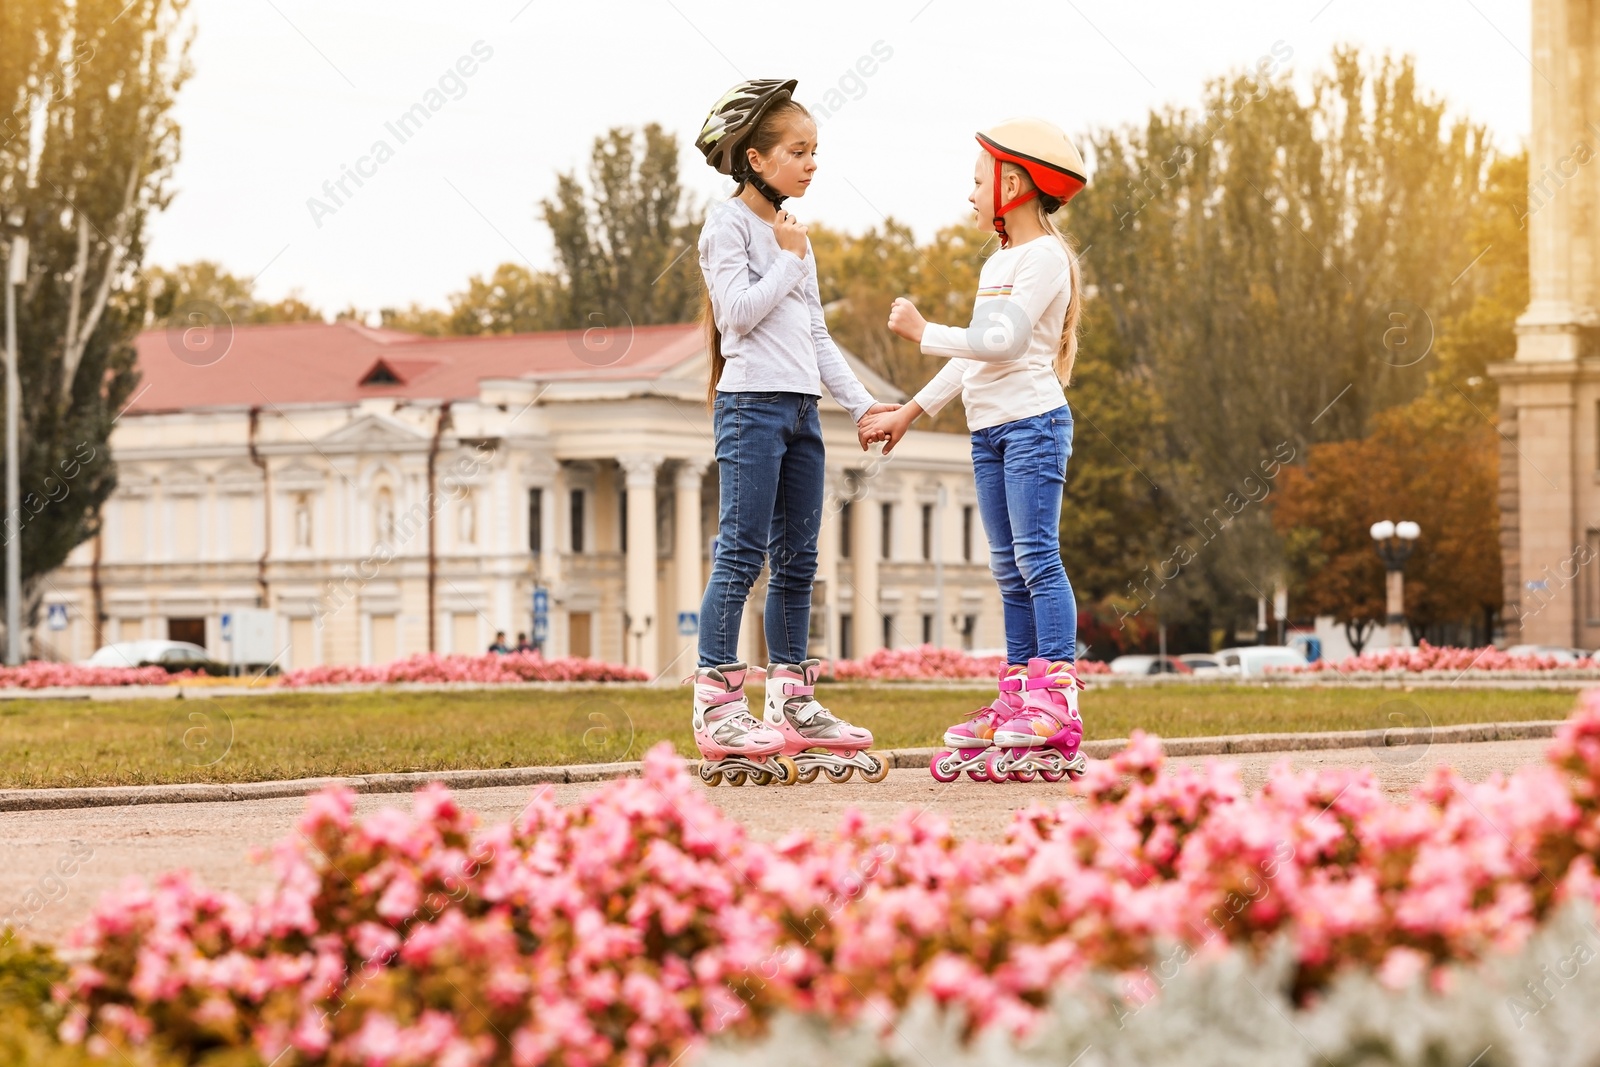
(1009, 366)
(771, 356)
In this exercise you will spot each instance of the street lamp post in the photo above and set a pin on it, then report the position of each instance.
(1395, 542)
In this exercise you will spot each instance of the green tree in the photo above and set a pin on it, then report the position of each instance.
(173, 295)
(87, 147)
(1435, 461)
(1496, 284)
(625, 242)
(512, 300)
(1252, 257)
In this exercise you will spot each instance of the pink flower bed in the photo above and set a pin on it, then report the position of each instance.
(1426, 657)
(930, 662)
(641, 920)
(37, 674)
(428, 667)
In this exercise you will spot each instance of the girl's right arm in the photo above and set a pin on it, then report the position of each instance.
(738, 305)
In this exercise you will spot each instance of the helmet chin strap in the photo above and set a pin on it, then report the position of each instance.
(999, 211)
(772, 195)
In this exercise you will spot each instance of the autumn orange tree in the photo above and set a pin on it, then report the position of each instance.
(1434, 461)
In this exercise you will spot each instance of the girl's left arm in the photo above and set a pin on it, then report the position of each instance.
(841, 381)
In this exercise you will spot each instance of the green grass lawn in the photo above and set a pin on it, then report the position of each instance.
(293, 735)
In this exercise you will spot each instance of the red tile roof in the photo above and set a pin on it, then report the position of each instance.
(313, 362)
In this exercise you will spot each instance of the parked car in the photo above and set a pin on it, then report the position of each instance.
(1252, 661)
(173, 655)
(1310, 646)
(1143, 664)
(1555, 652)
(1201, 664)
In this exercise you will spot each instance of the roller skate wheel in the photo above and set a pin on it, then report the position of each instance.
(1052, 775)
(709, 773)
(1022, 775)
(734, 777)
(978, 773)
(760, 778)
(838, 775)
(994, 765)
(784, 770)
(881, 771)
(808, 773)
(944, 766)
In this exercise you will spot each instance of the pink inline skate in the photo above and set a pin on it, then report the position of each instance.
(1043, 737)
(970, 741)
(733, 744)
(813, 737)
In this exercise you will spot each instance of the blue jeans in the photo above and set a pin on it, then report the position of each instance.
(1020, 468)
(770, 465)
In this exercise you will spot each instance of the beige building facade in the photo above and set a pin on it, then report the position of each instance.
(384, 495)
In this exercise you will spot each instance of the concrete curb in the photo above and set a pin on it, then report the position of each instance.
(900, 758)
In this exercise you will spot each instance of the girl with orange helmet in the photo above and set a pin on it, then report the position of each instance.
(1009, 366)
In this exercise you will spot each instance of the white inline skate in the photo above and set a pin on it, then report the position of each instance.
(734, 745)
(970, 742)
(813, 737)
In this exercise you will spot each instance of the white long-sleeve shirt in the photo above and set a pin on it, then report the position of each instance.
(768, 309)
(1003, 365)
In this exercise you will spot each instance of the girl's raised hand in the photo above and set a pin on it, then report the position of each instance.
(790, 233)
(906, 320)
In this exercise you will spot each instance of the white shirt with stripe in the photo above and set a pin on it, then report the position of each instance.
(1003, 364)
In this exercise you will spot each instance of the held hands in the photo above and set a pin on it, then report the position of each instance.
(907, 321)
(790, 233)
(865, 432)
(887, 423)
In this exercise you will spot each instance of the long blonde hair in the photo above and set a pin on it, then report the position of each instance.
(763, 138)
(1046, 207)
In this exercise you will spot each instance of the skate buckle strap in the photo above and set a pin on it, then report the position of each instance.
(1013, 684)
(792, 689)
(1049, 681)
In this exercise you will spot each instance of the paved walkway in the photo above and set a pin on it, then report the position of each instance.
(103, 845)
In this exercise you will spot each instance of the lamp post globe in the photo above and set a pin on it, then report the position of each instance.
(1395, 541)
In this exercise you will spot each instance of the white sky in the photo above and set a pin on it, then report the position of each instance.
(286, 92)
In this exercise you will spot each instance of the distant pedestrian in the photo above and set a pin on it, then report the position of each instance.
(522, 643)
(499, 647)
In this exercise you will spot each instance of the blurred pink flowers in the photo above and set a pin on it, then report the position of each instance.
(1426, 657)
(429, 667)
(631, 925)
(929, 661)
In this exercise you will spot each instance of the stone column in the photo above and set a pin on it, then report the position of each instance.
(1549, 392)
(640, 569)
(866, 536)
(690, 585)
(828, 565)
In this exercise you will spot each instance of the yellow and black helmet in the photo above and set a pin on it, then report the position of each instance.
(733, 118)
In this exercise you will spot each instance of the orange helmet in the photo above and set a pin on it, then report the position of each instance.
(1044, 151)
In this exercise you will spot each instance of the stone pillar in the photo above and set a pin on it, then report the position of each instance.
(828, 567)
(640, 568)
(690, 585)
(866, 535)
(1548, 393)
